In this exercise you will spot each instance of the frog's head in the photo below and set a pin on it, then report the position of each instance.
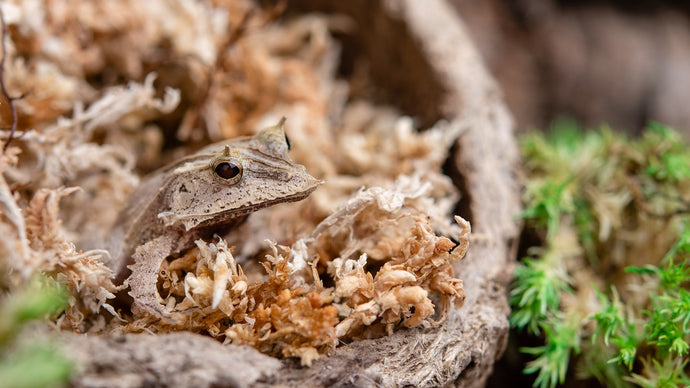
(231, 179)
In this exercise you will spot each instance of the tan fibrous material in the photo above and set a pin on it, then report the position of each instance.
(290, 312)
(370, 252)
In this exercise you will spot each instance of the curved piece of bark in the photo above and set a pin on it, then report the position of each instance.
(169, 360)
(144, 276)
(422, 61)
(463, 349)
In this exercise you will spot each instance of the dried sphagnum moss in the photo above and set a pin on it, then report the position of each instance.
(358, 258)
(291, 312)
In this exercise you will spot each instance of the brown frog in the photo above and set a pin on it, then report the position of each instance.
(195, 197)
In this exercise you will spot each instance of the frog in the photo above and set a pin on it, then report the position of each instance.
(207, 193)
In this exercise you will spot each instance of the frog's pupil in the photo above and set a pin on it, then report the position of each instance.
(227, 170)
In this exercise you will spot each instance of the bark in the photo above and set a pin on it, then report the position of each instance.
(423, 61)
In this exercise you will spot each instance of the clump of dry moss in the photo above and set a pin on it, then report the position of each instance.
(109, 97)
(381, 257)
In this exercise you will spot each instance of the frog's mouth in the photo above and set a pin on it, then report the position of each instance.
(234, 216)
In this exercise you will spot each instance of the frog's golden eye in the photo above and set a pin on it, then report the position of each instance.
(227, 170)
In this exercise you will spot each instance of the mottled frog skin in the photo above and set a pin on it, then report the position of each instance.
(199, 195)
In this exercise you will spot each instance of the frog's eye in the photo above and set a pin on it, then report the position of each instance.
(227, 170)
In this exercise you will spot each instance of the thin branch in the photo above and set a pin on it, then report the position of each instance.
(233, 37)
(3, 90)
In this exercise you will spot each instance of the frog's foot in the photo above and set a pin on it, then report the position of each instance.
(144, 278)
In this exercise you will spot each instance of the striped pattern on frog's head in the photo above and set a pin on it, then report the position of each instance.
(231, 179)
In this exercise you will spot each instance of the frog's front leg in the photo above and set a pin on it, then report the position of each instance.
(144, 278)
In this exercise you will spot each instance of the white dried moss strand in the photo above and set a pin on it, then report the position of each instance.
(223, 269)
(116, 103)
(390, 200)
(19, 248)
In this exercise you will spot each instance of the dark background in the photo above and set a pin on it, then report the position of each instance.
(613, 62)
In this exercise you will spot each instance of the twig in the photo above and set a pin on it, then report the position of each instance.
(275, 12)
(3, 90)
(233, 37)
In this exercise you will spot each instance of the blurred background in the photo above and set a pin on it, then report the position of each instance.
(613, 62)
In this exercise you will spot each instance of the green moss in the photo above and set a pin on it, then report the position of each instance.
(562, 339)
(35, 366)
(607, 288)
(29, 363)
